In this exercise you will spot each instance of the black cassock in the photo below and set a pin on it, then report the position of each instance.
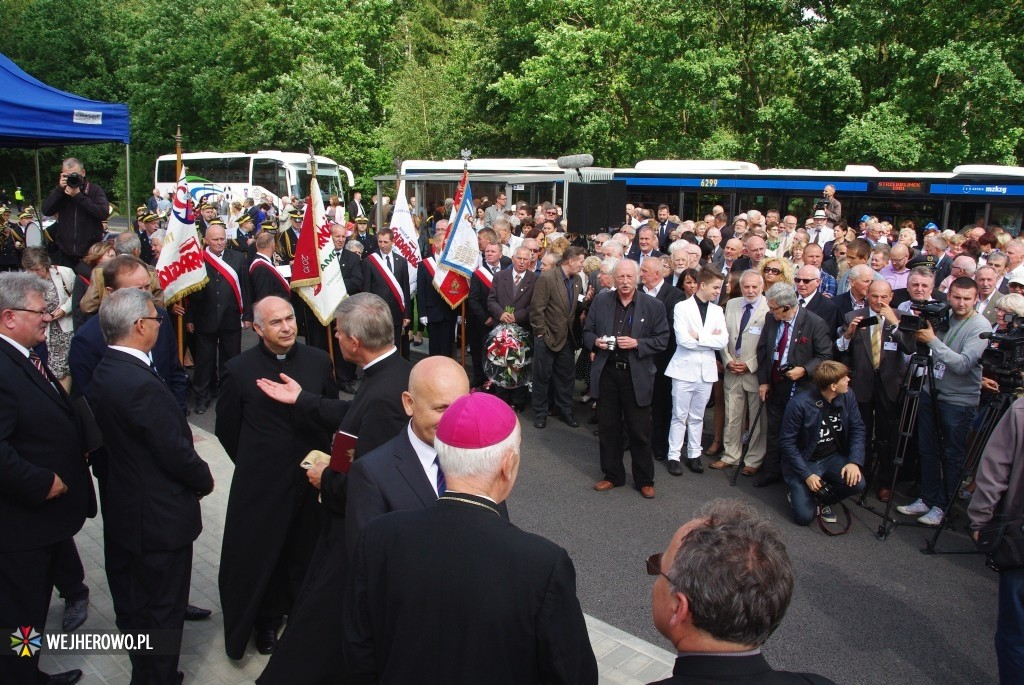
(272, 521)
(309, 650)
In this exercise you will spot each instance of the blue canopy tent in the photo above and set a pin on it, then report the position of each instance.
(35, 115)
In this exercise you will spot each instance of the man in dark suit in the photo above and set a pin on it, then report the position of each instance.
(355, 207)
(480, 320)
(557, 298)
(622, 374)
(859, 278)
(403, 472)
(440, 316)
(655, 285)
(920, 287)
(386, 274)
(352, 274)
(272, 518)
(807, 280)
(665, 227)
(514, 288)
(646, 246)
(792, 344)
(288, 238)
(874, 352)
(46, 492)
(935, 247)
(155, 478)
(264, 278)
(218, 313)
(424, 581)
(718, 628)
(374, 415)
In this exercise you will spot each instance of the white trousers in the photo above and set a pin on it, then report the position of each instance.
(689, 400)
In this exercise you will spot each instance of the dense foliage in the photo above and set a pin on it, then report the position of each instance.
(893, 83)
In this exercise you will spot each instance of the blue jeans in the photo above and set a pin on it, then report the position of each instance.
(1010, 627)
(802, 499)
(955, 422)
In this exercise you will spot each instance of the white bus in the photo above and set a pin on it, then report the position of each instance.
(240, 175)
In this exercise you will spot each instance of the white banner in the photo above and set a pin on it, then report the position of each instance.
(181, 267)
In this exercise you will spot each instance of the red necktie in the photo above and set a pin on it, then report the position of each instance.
(779, 349)
(38, 363)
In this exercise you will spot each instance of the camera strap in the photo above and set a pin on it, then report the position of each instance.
(834, 533)
(953, 333)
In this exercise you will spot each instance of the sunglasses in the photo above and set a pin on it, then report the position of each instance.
(654, 566)
(773, 271)
(805, 280)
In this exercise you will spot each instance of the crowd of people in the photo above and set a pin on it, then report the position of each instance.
(796, 336)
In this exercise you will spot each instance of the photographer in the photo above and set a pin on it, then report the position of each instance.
(999, 498)
(952, 403)
(822, 443)
(81, 207)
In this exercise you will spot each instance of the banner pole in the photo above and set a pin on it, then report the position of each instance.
(177, 175)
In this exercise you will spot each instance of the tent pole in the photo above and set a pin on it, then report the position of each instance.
(39, 195)
(128, 181)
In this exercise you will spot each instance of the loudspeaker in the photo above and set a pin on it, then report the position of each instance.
(595, 207)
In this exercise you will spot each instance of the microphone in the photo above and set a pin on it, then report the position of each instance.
(575, 161)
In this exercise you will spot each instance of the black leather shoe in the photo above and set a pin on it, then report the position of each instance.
(65, 678)
(201, 407)
(266, 640)
(659, 457)
(766, 479)
(674, 467)
(75, 614)
(695, 465)
(570, 421)
(541, 422)
(196, 614)
(347, 388)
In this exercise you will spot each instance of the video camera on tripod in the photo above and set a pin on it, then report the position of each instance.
(1003, 359)
(934, 313)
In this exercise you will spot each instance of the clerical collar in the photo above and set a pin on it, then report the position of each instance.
(280, 357)
(381, 358)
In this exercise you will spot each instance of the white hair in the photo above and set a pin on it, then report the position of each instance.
(462, 462)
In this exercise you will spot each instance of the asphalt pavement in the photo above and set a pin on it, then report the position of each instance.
(864, 610)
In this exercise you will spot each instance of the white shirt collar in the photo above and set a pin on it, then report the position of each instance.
(381, 358)
(426, 454)
(807, 300)
(138, 354)
(653, 292)
(17, 345)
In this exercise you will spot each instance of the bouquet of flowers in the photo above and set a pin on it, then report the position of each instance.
(508, 356)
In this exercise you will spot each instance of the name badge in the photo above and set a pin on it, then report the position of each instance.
(775, 357)
(940, 370)
(580, 298)
(890, 346)
(754, 330)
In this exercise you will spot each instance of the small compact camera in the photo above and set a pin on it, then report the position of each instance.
(609, 340)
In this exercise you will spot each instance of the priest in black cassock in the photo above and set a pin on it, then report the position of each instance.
(375, 415)
(272, 520)
(453, 592)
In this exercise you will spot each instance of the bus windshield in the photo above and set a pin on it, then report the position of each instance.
(327, 176)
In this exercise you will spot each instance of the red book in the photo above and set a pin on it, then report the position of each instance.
(343, 452)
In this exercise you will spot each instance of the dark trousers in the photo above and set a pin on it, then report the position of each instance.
(401, 341)
(555, 370)
(617, 408)
(441, 338)
(801, 499)
(69, 576)
(880, 416)
(1010, 627)
(213, 350)
(25, 589)
(661, 414)
(477, 332)
(774, 409)
(116, 559)
(159, 595)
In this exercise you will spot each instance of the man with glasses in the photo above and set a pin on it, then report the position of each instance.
(807, 280)
(792, 344)
(717, 627)
(814, 256)
(47, 489)
(896, 272)
(754, 248)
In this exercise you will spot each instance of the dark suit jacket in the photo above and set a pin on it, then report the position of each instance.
(900, 296)
(155, 476)
(374, 282)
(815, 348)
(663, 240)
(650, 328)
(265, 281)
(352, 272)
(354, 208)
(502, 295)
(634, 254)
(826, 308)
(425, 626)
(431, 304)
(844, 304)
(479, 292)
(88, 348)
(670, 297)
(286, 243)
(39, 437)
(215, 308)
(706, 669)
(550, 315)
(862, 370)
(943, 267)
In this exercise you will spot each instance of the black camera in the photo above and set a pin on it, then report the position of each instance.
(1003, 359)
(821, 204)
(784, 369)
(75, 180)
(934, 313)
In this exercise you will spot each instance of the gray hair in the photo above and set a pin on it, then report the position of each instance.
(608, 265)
(483, 462)
(367, 318)
(753, 273)
(354, 246)
(128, 243)
(617, 247)
(782, 294)
(1013, 303)
(735, 572)
(502, 224)
(997, 257)
(861, 270)
(120, 310)
(923, 271)
(73, 163)
(15, 287)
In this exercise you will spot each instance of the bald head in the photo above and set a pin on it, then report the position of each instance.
(434, 383)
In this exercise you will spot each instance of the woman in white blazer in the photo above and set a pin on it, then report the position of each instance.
(61, 281)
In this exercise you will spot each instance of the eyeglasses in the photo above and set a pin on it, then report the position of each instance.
(37, 312)
(773, 271)
(805, 280)
(777, 308)
(158, 318)
(654, 566)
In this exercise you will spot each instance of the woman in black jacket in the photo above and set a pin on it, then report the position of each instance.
(822, 441)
